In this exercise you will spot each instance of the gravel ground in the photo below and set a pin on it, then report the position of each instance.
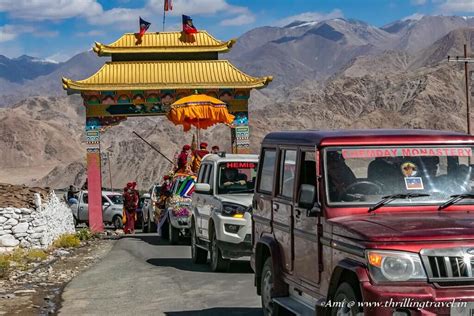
(37, 291)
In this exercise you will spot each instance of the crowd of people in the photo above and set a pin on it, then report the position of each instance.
(186, 162)
(189, 161)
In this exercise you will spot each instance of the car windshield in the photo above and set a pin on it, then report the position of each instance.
(116, 198)
(237, 177)
(364, 175)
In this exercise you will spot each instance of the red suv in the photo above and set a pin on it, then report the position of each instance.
(374, 222)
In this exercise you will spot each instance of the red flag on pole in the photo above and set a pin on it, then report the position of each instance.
(188, 26)
(168, 5)
(144, 25)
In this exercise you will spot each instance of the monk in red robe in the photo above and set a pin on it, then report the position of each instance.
(130, 201)
(198, 155)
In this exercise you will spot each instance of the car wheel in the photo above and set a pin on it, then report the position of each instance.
(117, 222)
(218, 264)
(145, 225)
(344, 294)
(173, 234)
(198, 255)
(266, 289)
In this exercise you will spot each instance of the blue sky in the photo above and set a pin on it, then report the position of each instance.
(59, 29)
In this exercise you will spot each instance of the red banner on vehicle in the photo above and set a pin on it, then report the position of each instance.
(405, 152)
(241, 165)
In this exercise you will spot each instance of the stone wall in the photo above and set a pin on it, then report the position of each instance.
(35, 227)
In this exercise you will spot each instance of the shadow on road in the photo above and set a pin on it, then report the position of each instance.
(154, 240)
(218, 311)
(186, 264)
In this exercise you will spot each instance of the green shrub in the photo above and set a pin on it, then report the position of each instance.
(4, 266)
(84, 234)
(36, 255)
(67, 241)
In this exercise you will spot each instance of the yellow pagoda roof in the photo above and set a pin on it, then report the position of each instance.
(164, 42)
(154, 75)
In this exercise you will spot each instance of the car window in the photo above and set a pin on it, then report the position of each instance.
(115, 198)
(237, 177)
(287, 173)
(210, 176)
(267, 172)
(202, 172)
(363, 175)
(308, 168)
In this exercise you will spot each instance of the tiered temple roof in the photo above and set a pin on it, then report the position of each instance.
(165, 42)
(155, 75)
(167, 60)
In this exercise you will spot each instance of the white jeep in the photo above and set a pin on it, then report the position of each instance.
(222, 204)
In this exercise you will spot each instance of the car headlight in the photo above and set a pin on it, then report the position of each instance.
(233, 210)
(395, 266)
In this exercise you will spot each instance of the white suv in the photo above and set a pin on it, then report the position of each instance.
(222, 206)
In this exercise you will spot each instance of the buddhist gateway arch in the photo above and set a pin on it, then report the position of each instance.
(145, 78)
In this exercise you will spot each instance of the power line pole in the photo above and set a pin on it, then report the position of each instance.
(466, 60)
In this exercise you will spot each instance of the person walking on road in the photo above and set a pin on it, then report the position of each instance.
(130, 198)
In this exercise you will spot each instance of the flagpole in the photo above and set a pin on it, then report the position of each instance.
(164, 17)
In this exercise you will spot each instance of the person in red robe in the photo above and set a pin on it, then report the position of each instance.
(215, 150)
(183, 158)
(130, 199)
(198, 155)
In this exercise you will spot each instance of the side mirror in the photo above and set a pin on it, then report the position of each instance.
(106, 204)
(314, 211)
(202, 188)
(146, 195)
(307, 196)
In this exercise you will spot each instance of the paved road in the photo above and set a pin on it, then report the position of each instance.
(143, 276)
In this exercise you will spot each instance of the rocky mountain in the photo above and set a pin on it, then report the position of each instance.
(317, 50)
(48, 83)
(367, 79)
(25, 68)
(415, 35)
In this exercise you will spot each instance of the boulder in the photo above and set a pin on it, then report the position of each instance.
(26, 211)
(39, 229)
(11, 222)
(20, 228)
(25, 244)
(8, 241)
(3, 219)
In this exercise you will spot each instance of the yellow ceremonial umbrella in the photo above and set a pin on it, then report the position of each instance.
(199, 110)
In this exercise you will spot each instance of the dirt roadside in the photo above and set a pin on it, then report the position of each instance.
(38, 290)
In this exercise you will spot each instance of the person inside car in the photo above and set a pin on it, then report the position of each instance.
(230, 177)
(340, 176)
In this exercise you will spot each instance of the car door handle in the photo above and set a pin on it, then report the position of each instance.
(276, 207)
(298, 213)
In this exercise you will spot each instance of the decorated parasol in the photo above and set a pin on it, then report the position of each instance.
(199, 110)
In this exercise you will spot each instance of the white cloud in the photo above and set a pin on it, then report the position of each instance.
(456, 6)
(122, 17)
(311, 17)
(242, 19)
(119, 17)
(9, 32)
(196, 7)
(90, 33)
(38, 10)
(414, 16)
(418, 2)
